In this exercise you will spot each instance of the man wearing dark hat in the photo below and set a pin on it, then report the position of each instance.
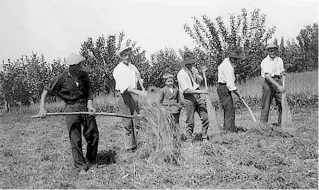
(74, 88)
(272, 69)
(127, 78)
(188, 82)
(226, 85)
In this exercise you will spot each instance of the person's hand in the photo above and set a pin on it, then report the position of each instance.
(91, 110)
(205, 91)
(143, 94)
(204, 68)
(42, 113)
(281, 89)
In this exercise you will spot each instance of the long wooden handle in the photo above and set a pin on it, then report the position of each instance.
(86, 113)
(251, 113)
(141, 85)
(205, 79)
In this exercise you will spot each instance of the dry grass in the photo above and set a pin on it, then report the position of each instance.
(35, 153)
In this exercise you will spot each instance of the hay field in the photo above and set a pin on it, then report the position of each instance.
(35, 153)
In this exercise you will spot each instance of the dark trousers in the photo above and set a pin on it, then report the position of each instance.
(194, 103)
(176, 117)
(270, 92)
(226, 100)
(90, 133)
(128, 106)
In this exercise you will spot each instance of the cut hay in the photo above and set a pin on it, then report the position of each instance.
(159, 135)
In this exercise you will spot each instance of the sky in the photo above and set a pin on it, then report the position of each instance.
(56, 28)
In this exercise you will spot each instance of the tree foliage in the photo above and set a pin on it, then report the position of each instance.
(249, 33)
(23, 80)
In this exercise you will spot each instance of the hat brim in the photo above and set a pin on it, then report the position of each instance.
(74, 60)
(125, 52)
(237, 56)
(190, 61)
(271, 47)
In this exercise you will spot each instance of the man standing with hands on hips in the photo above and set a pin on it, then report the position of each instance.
(272, 69)
(127, 78)
(74, 88)
(226, 85)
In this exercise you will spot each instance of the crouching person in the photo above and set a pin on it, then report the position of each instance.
(74, 88)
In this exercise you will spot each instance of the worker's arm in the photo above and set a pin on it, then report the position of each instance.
(43, 112)
(274, 82)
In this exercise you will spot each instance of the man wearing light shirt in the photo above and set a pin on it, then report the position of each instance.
(188, 79)
(226, 85)
(272, 69)
(126, 77)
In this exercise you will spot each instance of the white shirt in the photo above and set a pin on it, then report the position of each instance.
(185, 81)
(125, 76)
(272, 66)
(226, 74)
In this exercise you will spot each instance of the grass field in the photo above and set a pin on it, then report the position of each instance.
(35, 153)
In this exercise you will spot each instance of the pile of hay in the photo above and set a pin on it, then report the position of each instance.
(158, 135)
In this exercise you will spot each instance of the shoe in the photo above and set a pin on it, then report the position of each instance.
(131, 150)
(189, 137)
(205, 140)
(239, 129)
(183, 137)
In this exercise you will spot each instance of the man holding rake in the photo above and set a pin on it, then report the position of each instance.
(188, 81)
(272, 69)
(226, 85)
(74, 88)
(127, 78)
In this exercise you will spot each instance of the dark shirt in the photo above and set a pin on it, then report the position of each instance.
(170, 100)
(70, 89)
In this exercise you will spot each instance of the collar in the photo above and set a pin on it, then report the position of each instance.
(271, 58)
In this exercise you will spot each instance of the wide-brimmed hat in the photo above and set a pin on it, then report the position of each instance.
(189, 58)
(271, 46)
(235, 53)
(74, 59)
(124, 51)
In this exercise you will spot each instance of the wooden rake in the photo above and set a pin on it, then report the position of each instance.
(88, 113)
(210, 108)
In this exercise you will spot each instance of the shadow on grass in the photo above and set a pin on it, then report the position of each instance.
(107, 157)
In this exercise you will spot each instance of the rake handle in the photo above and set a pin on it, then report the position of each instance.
(251, 113)
(87, 113)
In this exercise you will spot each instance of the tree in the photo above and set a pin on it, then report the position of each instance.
(164, 60)
(215, 39)
(308, 41)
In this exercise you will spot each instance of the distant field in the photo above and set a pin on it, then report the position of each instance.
(35, 153)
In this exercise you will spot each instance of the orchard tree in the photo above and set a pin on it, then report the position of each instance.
(164, 60)
(308, 41)
(250, 33)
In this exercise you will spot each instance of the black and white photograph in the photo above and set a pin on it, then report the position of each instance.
(159, 94)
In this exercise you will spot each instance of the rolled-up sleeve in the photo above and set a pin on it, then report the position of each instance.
(121, 83)
(184, 82)
(281, 66)
(230, 78)
(265, 68)
(54, 84)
